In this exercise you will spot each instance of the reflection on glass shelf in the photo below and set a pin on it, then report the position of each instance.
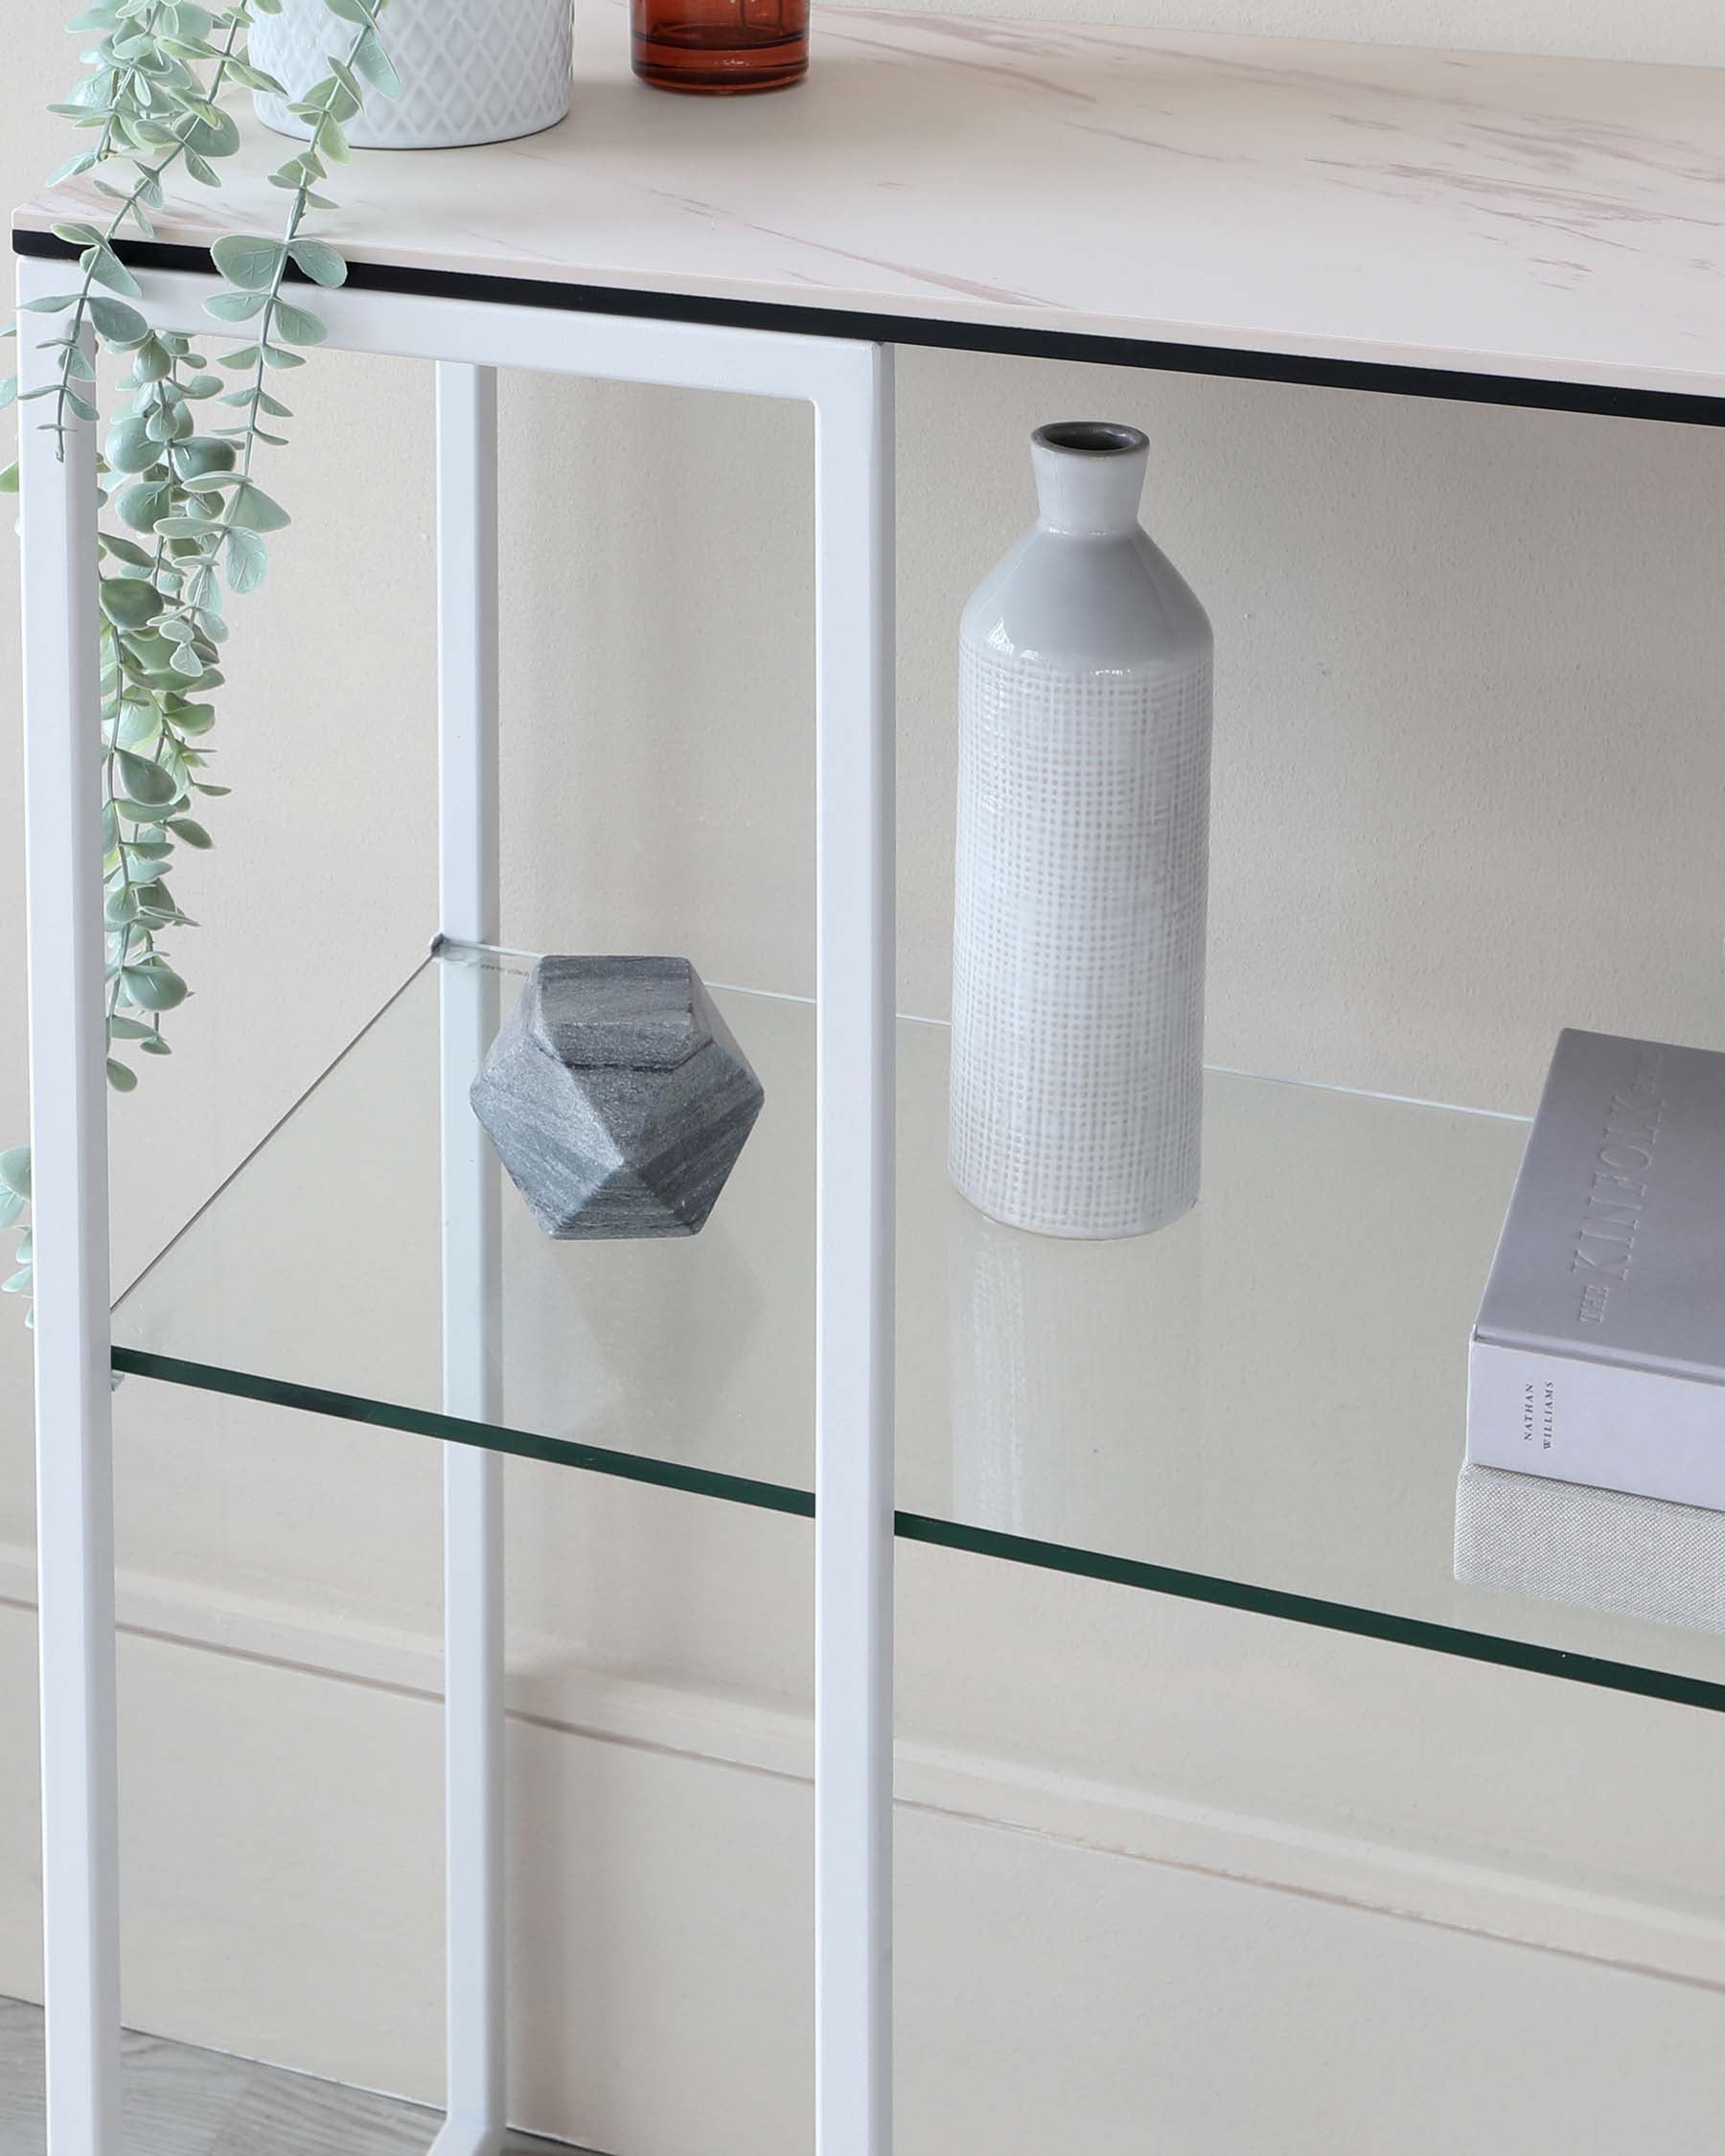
(1260, 1406)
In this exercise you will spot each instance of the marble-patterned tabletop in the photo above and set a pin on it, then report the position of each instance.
(1553, 219)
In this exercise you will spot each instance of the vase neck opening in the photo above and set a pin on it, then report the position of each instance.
(1089, 476)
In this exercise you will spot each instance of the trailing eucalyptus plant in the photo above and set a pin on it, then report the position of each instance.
(183, 512)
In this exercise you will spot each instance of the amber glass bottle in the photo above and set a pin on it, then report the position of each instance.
(715, 48)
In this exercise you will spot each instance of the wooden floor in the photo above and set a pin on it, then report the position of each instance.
(185, 2103)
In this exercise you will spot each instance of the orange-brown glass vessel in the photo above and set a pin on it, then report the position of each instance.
(717, 48)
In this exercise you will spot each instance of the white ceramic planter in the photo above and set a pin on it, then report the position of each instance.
(1082, 857)
(470, 70)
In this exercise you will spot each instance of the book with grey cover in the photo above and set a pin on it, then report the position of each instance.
(1597, 1550)
(1598, 1355)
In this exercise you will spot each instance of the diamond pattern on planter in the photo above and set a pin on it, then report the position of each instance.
(471, 71)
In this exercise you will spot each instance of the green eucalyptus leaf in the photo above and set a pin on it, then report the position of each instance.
(247, 560)
(252, 510)
(140, 727)
(128, 447)
(297, 324)
(144, 781)
(144, 505)
(128, 602)
(236, 307)
(124, 550)
(208, 132)
(153, 360)
(14, 1170)
(192, 832)
(10, 1207)
(248, 262)
(155, 1045)
(122, 1080)
(18, 1284)
(372, 61)
(254, 79)
(128, 1029)
(108, 269)
(318, 262)
(339, 103)
(203, 457)
(115, 321)
(155, 987)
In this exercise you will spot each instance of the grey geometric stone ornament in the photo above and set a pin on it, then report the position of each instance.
(616, 1097)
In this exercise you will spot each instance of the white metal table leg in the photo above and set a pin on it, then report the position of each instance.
(854, 1322)
(68, 1036)
(473, 1725)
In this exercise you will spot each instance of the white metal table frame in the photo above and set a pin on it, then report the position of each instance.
(841, 362)
(849, 383)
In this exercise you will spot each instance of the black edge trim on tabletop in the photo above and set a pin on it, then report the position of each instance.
(1680, 407)
(946, 1534)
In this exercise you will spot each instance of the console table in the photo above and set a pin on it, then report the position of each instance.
(1499, 230)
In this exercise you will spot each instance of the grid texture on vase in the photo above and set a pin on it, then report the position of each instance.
(1078, 946)
(471, 71)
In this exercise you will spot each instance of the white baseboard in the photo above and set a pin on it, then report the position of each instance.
(548, 1690)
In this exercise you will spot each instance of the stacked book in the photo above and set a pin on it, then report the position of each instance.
(1595, 1406)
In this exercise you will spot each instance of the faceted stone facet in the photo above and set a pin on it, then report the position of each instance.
(616, 1097)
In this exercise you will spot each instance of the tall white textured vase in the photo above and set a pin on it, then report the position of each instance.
(1083, 744)
(470, 71)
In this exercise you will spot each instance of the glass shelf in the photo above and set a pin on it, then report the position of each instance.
(1259, 1406)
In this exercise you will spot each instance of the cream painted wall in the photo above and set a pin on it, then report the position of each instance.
(1470, 773)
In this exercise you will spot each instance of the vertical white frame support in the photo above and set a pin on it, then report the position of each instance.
(474, 1663)
(850, 387)
(75, 1470)
(856, 969)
